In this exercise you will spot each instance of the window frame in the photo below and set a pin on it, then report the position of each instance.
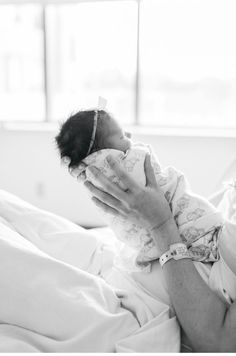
(46, 90)
(137, 126)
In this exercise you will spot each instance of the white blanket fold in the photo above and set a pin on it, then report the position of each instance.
(49, 302)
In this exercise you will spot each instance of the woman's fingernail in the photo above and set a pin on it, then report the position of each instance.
(92, 169)
(81, 177)
(74, 172)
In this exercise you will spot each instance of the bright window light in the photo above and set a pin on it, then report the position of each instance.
(21, 63)
(188, 63)
(163, 63)
(92, 49)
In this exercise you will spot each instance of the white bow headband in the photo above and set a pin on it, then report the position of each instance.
(95, 122)
(101, 105)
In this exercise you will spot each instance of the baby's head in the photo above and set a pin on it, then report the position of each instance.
(89, 131)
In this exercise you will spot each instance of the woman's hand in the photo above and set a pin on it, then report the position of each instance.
(145, 206)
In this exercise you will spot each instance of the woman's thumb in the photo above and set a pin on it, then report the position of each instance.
(149, 172)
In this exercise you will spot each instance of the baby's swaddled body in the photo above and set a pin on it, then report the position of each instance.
(198, 221)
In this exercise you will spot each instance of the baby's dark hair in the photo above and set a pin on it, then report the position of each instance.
(74, 137)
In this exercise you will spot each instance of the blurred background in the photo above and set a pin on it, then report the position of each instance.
(166, 67)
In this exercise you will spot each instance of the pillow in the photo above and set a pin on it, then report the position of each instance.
(50, 233)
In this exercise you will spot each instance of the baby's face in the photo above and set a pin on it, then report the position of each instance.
(117, 138)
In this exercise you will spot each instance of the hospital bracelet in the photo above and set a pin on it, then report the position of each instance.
(177, 251)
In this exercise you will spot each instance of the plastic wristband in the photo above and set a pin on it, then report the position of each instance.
(177, 251)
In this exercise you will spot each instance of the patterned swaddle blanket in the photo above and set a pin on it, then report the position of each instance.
(198, 221)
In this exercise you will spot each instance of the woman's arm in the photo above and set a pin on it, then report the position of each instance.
(208, 323)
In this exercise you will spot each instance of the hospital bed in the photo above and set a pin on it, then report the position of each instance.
(59, 290)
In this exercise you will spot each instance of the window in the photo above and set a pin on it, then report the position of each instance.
(169, 63)
(188, 63)
(60, 57)
(21, 63)
(92, 52)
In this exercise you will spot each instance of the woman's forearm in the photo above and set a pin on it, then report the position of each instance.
(200, 312)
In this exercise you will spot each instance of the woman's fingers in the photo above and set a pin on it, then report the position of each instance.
(81, 177)
(106, 198)
(128, 182)
(149, 172)
(107, 185)
(106, 208)
(78, 172)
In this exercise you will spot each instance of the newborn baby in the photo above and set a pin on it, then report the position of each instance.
(88, 137)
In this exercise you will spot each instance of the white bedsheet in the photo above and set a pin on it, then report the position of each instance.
(60, 293)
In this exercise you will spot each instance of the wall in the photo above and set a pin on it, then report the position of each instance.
(30, 168)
